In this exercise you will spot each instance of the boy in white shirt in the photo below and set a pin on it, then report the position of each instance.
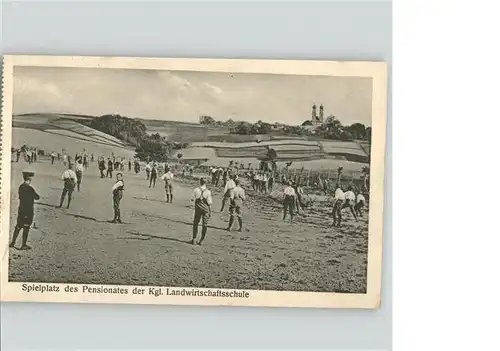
(288, 201)
(228, 189)
(265, 178)
(237, 198)
(350, 200)
(167, 178)
(338, 203)
(70, 180)
(202, 198)
(79, 173)
(117, 192)
(360, 203)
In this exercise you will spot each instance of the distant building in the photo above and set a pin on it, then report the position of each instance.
(315, 117)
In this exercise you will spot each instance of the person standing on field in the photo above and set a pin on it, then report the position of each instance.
(148, 171)
(235, 206)
(228, 190)
(69, 178)
(79, 173)
(288, 201)
(167, 178)
(102, 166)
(202, 198)
(338, 204)
(25, 212)
(109, 171)
(154, 175)
(117, 192)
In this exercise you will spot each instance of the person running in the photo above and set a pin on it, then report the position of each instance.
(65, 159)
(154, 175)
(92, 157)
(236, 203)
(18, 153)
(350, 201)
(129, 164)
(117, 192)
(52, 157)
(148, 170)
(288, 201)
(109, 171)
(360, 203)
(79, 173)
(338, 203)
(25, 212)
(202, 198)
(167, 178)
(70, 180)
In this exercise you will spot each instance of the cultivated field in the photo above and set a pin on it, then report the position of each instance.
(47, 141)
(79, 245)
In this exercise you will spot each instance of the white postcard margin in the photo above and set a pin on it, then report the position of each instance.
(14, 291)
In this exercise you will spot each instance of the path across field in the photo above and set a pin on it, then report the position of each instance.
(151, 248)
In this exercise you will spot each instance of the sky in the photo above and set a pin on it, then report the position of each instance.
(184, 96)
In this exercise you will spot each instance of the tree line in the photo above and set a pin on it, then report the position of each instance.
(331, 128)
(133, 132)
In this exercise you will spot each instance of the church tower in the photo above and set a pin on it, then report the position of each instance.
(314, 116)
(321, 113)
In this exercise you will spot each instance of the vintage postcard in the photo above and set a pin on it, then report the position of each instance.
(192, 181)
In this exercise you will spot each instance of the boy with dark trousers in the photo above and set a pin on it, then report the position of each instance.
(25, 213)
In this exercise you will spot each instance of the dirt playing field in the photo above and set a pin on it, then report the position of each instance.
(151, 247)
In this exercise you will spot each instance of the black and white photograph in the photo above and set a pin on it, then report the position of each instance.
(209, 182)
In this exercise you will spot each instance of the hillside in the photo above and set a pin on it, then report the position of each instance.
(54, 132)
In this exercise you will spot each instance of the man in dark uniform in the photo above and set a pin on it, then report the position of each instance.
(109, 172)
(27, 197)
(102, 166)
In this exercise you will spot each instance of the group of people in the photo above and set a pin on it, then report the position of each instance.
(114, 164)
(220, 175)
(202, 198)
(234, 195)
(262, 181)
(30, 154)
(347, 198)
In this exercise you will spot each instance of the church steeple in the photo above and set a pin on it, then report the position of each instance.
(314, 116)
(321, 113)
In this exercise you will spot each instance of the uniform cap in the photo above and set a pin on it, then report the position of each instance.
(28, 173)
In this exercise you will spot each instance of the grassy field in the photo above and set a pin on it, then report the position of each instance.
(79, 245)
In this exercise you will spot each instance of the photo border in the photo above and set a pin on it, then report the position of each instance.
(12, 291)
